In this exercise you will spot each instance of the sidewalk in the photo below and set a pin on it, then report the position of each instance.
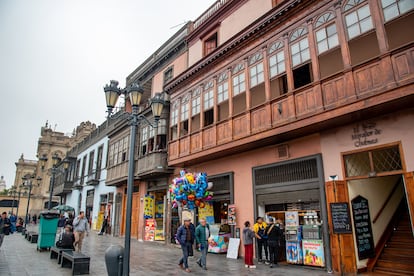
(18, 257)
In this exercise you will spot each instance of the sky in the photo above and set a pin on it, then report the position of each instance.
(56, 56)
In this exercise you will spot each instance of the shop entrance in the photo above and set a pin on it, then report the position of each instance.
(293, 194)
(376, 176)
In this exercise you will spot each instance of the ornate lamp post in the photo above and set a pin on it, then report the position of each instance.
(134, 91)
(55, 161)
(28, 184)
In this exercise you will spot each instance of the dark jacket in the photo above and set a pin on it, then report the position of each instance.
(5, 226)
(182, 234)
(200, 233)
(274, 233)
(66, 240)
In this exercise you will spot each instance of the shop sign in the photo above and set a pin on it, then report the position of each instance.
(231, 215)
(365, 134)
(148, 206)
(363, 229)
(206, 213)
(341, 220)
(150, 226)
(313, 253)
(291, 218)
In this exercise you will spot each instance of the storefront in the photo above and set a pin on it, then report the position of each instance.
(292, 192)
(105, 212)
(155, 202)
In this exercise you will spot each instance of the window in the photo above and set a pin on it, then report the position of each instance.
(168, 74)
(300, 47)
(99, 162)
(276, 59)
(222, 88)
(208, 96)
(326, 36)
(77, 170)
(91, 159)
(161, 142)
(82, 177)
(394, 8)
(195, 109)
(174, 120)
(144, 140)
(195, 103)
(357, 20)
(210, 44)
(302, 75)
(185, 106)
(256, 69)
(239, 84)
(174, 116)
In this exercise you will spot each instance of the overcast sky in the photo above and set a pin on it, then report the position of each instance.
(56, 56)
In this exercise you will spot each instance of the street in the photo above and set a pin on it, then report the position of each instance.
(19, 257)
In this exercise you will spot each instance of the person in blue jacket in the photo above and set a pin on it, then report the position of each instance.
(185, 236)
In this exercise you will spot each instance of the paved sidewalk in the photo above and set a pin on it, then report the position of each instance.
(18, 257)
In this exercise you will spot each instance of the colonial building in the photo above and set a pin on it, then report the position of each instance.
(83, 184)
(151, 169)
(303, 110)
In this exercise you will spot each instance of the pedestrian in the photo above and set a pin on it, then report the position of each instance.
(66, 239)
(191, 252)
(69, 221)
(4, 226)
(34, 219)
(274, 234)
(62, 223)
(248, 236)
(202, 233)
(13, 220)
(261, 238)
(80, 228)
(104, 226)
(185, 236)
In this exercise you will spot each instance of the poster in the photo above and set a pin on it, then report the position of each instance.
(218, 243)
(291, 218)
(207, 213)
(159, 209)
(231, 215)
(150, 226)
(313, 253)
(148, 206)
(293, 252)
(159, 235)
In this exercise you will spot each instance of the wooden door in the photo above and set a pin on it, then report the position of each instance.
(135, 215)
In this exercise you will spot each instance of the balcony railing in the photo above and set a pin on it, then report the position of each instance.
(209, 12)
(92, 178)
(63, 188)
(152, 164)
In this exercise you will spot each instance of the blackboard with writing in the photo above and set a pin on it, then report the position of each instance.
(341, 220)
(363, 228)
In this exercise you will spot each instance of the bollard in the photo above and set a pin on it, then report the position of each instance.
(113, 260)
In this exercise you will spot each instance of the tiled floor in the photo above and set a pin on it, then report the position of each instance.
(19, 257)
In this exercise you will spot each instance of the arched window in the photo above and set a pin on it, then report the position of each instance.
(222, 87)
(239, 79)
(358, 18)
(256, 69)
(326, 34)
(276, 59)
(299, 48)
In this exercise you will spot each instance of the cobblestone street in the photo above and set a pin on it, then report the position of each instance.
(19, 257)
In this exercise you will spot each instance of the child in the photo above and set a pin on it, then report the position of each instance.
(248, 236)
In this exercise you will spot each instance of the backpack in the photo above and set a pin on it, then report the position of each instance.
(262, 233)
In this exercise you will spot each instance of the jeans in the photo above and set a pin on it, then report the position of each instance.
(262, 243)
(274, 251)
(203, 257)
(186, 249)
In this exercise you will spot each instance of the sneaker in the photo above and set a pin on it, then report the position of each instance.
(267, 262)
(181, 265)
(252, 266)
(259, 260)
(246, 266)
(199, 264)
(204, 268)
(187, 270)
(271, 266)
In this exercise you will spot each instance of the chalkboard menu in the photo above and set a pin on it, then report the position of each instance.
(341, 220)
(363, 229)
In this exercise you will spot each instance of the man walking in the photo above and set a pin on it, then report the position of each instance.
(202, 234)
(4, 226)
(185, 235)
(80, 228)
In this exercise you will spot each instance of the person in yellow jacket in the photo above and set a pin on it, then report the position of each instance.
(259, 229)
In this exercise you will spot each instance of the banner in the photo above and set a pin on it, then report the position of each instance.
(207, 213)
(148, 206)
(150, 226)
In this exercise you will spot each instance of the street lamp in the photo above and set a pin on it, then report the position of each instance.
(28, 183)
(13, 193)
(134, 92)
(55, 160)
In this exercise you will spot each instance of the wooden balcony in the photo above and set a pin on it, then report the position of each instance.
(117, 174)
(92, 178)
(382, 85)
(62, 188)
(152, 164)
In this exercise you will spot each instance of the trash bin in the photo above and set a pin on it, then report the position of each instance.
(113, 260)
(47, 230)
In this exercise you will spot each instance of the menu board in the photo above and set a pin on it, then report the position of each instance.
(341, 221)
(363, 229)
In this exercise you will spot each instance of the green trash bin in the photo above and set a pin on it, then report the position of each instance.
(47, 230)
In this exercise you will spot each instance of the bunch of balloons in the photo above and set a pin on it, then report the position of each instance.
(190, 190)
